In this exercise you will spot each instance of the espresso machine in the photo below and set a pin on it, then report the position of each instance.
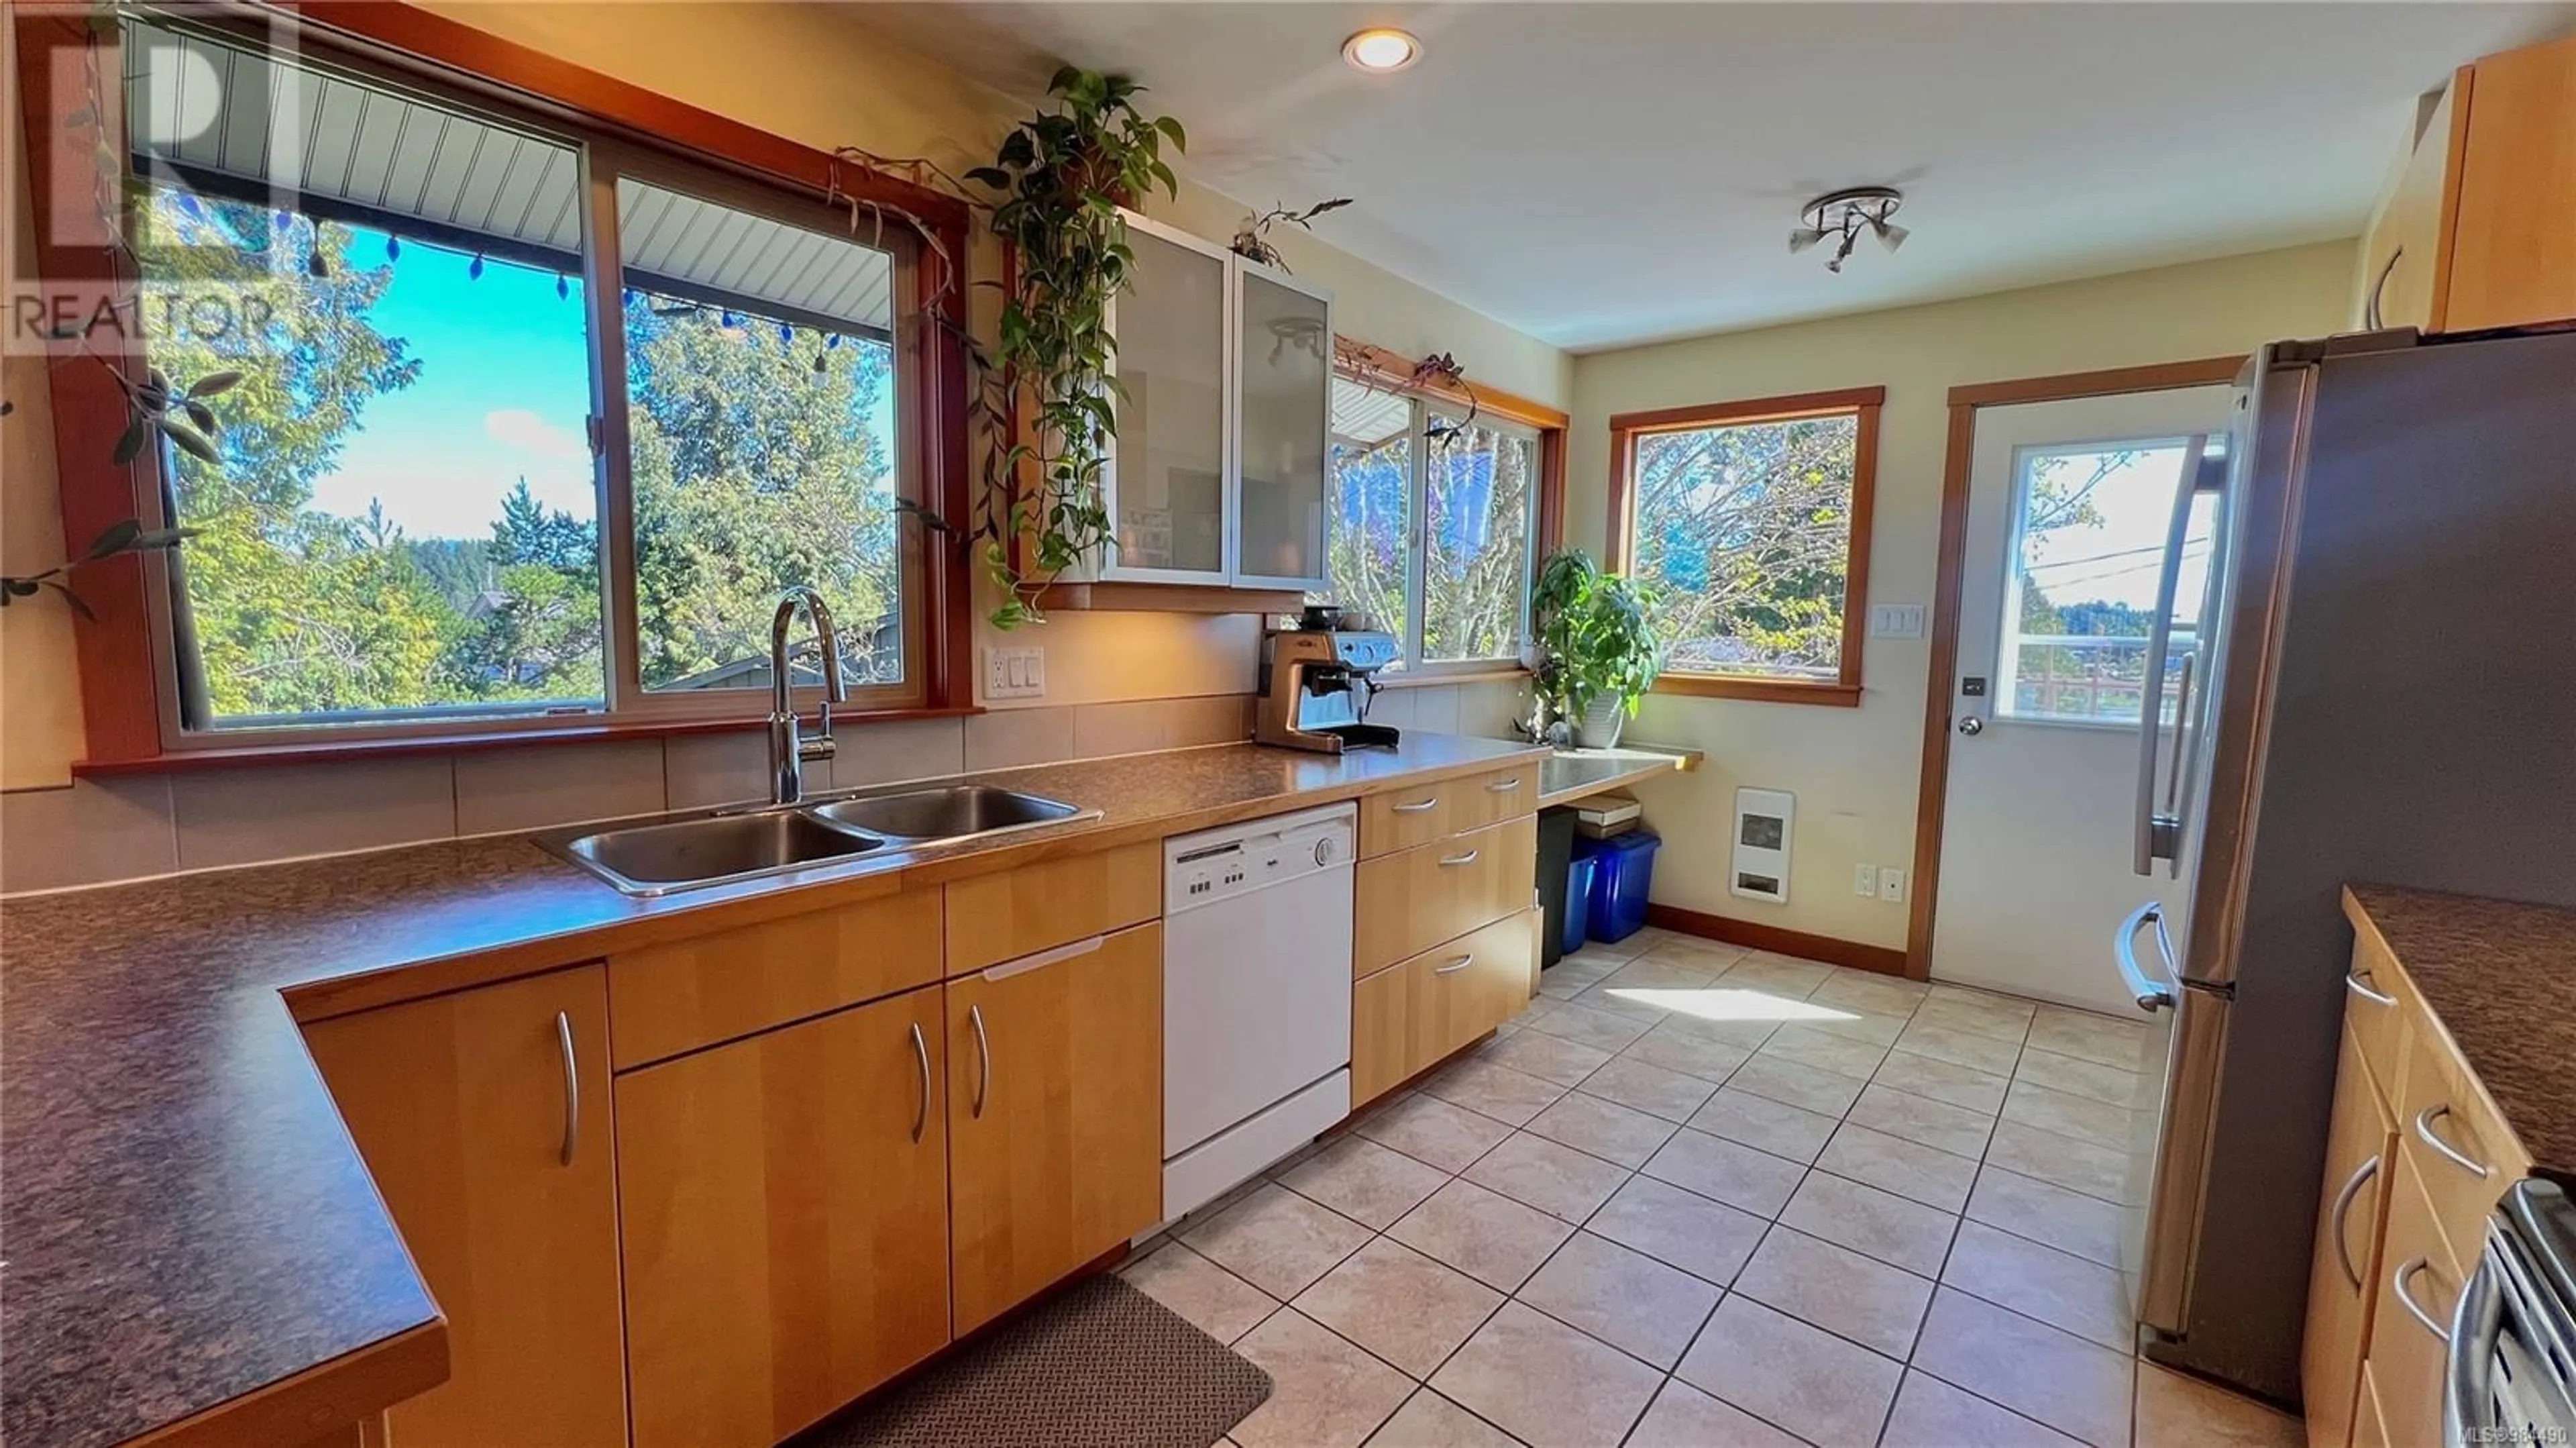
(1315, 689)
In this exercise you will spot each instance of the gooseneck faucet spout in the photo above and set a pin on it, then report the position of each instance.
(788, 751)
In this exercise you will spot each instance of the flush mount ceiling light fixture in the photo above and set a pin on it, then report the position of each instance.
(1381, 49)
(1846, 214)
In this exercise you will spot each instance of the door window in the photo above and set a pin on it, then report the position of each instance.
(2091, 523)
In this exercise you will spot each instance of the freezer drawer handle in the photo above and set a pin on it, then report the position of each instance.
(2343, 1209)
(2407, 1300)
(2424, 1120)
(2359, 983)
(2150, 996)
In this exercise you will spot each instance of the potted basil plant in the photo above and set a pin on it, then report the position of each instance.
(1598, 651)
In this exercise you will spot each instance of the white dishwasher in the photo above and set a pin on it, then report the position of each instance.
(1256, 996)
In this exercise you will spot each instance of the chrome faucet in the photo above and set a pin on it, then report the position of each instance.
(788, 751)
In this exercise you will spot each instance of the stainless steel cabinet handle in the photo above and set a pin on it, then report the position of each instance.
(572, 1086)
(921, 1058)
(2358, 983)
(2407, 1300)
(2342, 1209)
(983, 1059)
(2371, 314)
(1453, 967)
(1417, 807)
(1504, 786)
(2424, 1120)
(1468, 858)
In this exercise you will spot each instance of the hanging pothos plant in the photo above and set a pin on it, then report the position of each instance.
(1063, 175)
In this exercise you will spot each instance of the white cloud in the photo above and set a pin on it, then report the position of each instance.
(524, 430)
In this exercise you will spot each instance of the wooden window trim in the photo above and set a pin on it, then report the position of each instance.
(1861, 402)
(125, 690)
(1387, 371)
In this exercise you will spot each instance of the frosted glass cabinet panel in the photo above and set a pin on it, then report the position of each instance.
(1168, 492)
(1284, 365)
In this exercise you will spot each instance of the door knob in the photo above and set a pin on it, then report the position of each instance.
(1972, 725)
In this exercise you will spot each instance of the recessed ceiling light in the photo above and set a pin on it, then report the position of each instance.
(1381, 49)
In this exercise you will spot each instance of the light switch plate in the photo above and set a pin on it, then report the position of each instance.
(1865, 879)
(1896, 620)
(1015, 673)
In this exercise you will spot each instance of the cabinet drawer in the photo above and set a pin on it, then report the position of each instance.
(2378, 1006)
(2406, 1357)
(1400, 819)
(1411, 901)
(1407, 1016)
(666, 999)
(994, 918)
(2456, 1142)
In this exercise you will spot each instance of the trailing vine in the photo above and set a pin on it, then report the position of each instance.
(1062, 176)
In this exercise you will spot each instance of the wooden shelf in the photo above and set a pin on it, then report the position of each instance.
(1166, 598)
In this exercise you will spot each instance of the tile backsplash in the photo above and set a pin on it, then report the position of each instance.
(131, 827)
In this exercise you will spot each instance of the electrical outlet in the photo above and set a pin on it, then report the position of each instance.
(1891, 883)
(1865, 879)
(1015, 673)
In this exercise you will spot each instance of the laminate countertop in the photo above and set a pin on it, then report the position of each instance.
(186, 1219)
(2500, 977)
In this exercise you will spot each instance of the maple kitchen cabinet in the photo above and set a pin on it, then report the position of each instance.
(483, 1117)
(785, 1204)
(2475, 233)
(1055, 1115)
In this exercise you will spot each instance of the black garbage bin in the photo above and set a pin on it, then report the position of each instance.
(1555, 848)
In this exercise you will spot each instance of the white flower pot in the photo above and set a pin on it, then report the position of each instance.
(1601, 722)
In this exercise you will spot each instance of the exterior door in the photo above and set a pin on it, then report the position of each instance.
(2071, 516)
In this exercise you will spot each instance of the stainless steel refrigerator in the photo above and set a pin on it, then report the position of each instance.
(2386, 661)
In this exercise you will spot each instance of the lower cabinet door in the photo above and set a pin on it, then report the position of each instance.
(2343, 1274)
(2417, 1274)
(1412, 1013)
(483, 1117)
(1055, 1106)
(785, 1204)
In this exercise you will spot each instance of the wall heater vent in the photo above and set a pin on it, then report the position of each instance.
(1764, 819)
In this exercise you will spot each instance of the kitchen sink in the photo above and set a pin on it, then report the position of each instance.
(948, 812)
(720, 846)
(712, 849)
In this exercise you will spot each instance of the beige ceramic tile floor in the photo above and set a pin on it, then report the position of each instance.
(1700, 1196)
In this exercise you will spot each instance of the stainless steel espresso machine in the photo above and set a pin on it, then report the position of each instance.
(1315, 687)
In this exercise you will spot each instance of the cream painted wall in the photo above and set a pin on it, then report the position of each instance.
(1855, 771)
(812, 74)
(40, 710)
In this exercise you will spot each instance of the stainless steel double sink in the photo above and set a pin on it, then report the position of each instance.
(715, 847)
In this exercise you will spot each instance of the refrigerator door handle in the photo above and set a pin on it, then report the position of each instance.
(2150, 996)
(2144, 849)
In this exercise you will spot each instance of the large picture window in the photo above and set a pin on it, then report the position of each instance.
(1751, 523)
(531, 424)
(1435, 523)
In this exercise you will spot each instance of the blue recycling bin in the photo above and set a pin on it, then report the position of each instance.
(1623, 867)
(1578, 901)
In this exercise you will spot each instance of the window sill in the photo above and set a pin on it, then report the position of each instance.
(1764, 691)
(327, 751)
(1425, 677)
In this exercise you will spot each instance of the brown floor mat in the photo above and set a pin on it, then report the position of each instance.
(1100, 1366)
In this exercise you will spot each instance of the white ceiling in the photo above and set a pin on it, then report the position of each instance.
(1604, 174)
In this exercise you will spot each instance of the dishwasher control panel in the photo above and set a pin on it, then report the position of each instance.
(1222, 863)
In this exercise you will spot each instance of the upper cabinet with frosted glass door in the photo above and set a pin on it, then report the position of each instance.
(1216, 476)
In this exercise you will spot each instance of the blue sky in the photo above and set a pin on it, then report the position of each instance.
(503, 393)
